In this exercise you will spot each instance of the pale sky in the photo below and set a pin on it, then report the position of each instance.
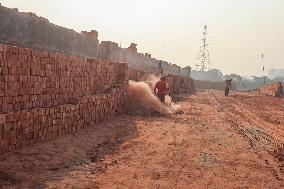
(239, 30)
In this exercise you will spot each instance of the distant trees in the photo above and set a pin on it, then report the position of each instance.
(210, 75)
(243, 83)
(281, 79)
(215, 73)
(204, 72)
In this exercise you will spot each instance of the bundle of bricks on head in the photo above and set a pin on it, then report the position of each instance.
(44, 95)
(273, 89)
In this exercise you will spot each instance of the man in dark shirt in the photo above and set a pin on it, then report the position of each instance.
(228, 86)
(161, 89)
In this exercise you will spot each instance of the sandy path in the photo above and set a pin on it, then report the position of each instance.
(218, 142)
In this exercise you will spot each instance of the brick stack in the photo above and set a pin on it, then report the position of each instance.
(45, 95)
(138, 61)
(137, 75)
(273, 89)
(179, 84)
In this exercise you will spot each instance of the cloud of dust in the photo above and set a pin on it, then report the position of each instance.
(151, 80)
(174, 108)
(142, 92)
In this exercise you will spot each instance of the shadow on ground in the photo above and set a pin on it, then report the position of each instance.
(43, 165)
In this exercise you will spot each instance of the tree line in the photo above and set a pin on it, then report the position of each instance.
(243, 83)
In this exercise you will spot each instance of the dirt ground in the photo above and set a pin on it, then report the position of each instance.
(218, 142)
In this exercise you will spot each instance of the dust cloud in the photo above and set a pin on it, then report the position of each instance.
(142, 92)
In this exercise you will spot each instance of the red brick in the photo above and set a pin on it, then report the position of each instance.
(1, 48)
(2, 119)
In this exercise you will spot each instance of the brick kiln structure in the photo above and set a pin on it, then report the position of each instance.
(273, 89)
(46, 95)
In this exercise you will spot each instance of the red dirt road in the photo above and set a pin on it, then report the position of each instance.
(219, 142)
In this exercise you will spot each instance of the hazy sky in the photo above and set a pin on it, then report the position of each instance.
(239, 30)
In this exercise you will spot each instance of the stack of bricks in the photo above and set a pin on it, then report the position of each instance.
(179, 84)
(273, 89)
(44, 95)
(137, 75)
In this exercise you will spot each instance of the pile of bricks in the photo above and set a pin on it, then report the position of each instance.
(273, 89)
(137, 75)
(179, 84)
(139, 61)
(45, 95)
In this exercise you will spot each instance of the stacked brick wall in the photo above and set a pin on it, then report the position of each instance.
(179, 84)
(45, 95)
(199, 84)
(30, 30)
(111, 51)
(137, 75)
(273, 89)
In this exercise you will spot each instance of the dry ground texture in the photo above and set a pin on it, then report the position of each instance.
(219, 142)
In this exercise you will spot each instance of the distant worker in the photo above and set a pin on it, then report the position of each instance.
(161, 89)
(228, 86)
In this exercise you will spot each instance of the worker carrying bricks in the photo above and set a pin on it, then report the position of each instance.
(228, 86)
(161, 89)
